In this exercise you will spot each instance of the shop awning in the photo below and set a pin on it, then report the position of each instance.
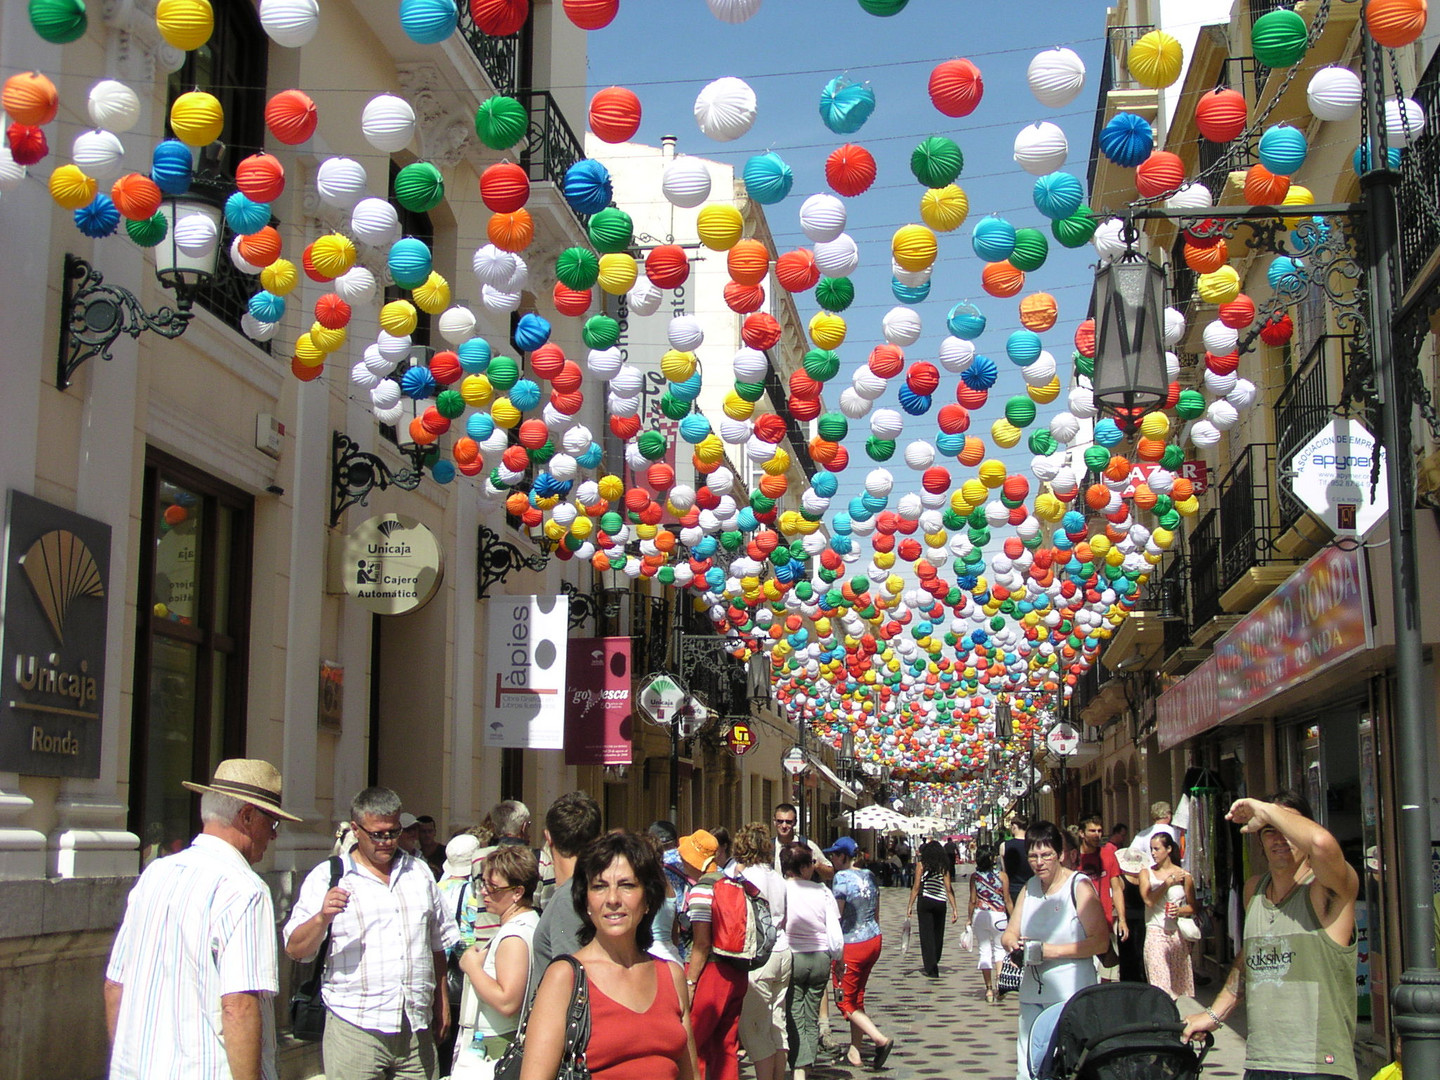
(847, 796)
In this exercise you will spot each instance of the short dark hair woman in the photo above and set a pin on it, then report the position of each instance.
(639, 1008)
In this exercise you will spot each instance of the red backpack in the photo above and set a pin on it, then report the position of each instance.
(742, 929)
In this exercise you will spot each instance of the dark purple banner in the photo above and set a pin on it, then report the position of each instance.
(598, 724)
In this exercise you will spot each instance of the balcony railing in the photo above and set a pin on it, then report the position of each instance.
(1420, 183)
(1247, 527)
(1204, 555)
(550, 146)
(498, 57)
(1302, 409)
(1114, 75)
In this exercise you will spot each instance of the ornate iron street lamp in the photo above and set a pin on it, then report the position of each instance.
(1130, 377)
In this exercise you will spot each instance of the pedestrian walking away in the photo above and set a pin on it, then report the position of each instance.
(190, 986)
(858, 896)
(717, 986)
(812, 925)
(989, 893)
(931, 895)
(762, 1014)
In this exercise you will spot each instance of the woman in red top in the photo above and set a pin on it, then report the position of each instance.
(639, 1008)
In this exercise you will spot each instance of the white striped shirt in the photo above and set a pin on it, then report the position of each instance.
(199, 924)
(381, 966)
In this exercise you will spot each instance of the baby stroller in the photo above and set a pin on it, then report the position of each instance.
(1114, 1031)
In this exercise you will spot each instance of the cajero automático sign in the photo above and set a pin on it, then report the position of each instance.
(392, 565)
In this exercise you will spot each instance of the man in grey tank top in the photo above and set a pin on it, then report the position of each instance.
(1297, 965)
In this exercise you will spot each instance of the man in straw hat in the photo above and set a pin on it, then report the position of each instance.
(193, 972)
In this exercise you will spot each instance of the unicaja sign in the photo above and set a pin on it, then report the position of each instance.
(393, 565)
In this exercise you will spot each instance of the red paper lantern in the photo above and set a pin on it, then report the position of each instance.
(667, 266)
(1160, 173)
(500, 18)
(953, 419)
(769, 428)
(935, 479)
(304, 372)
(760, 331)
(625, 428)
(850, 170)
(533, 434)
(923, 377)
(839, 460)
(887, 361)
(1277, 330)
(291, 116)
(796, 270)
(1238, 313)
(261, 248)
(614, 114)
(260, 177)
(1085, 339)
(433, 422)
(1220, 114)
(744, 299)
(956, 87)
(445, 367)
(135, 195)
(1264, 188)
(591, 14)
(333, 313)
(972, 399)
(748, 262)
(27, 143)
(570, 301)
(660, 477)
(504, 187)
(547, 360)
(568, 403)
(1224, 364)
(803, 386)
(806, 409)
(515, 459)
(568, 378)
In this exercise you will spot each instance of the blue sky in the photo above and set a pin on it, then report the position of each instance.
(667, 50)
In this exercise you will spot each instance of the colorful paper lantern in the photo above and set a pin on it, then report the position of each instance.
(686, 182)
(1155, 60)
(914, 247)
(993, 239)
(1278, 38)
(1041, 148)
(500, 18)
(611, 230)
(290, 23)
(845, 106)
(592, 14)
(1127, 139)
(1264, 188)
(768, 179)
(1158, 174)
(197, 118)
(614, 114)
(59, 21)
(850, 170)
(113, 106)
(733, 11)
(185, 24)
(419, 187)
(98, 218)
(719, 226)
(511, 232)
(1221, 114)
(944, 209)
(1056, 77)
(291, 117)
(1333, 93)
(375, 222)
(501, 122)
(98, 153)
(956, 87)
(725, 109)
(1030, 251)
(260, 177)
(388, 123)
(1002, 279)
(1283, 149)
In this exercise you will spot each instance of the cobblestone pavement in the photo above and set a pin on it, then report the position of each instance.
(943, 1028)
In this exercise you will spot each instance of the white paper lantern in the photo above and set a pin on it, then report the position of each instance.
(377, 363)
(357, 286)
(457, 324)
(1039, 371)
(1243, 395)
(685, 333)
(1222, 414)
(256, 330)
(393, 347)
(1220, 339)
(725, 109)
(1056, 76)
(577, 440)
(498, 300)
(627, 381)
(1041, 148)
(113, 106)
(868, 384)
(919, 455)
(1045, 466)
(388, 123)
(604, 363)
(12, 173)
(855, 405)
(1402, 130)
(1204, 434)
(733, 11)
(758, 450)
(1219, 385)
(1190, 197)
(956, 354)
(721, 481)
(196, 235)
(734, 432)
(492, 266)
(375, 222)
(554, 417)
(1334, 93)
(519, 276)
(1172, 367)
(390, 417)
(98, 153)
(1064, 481)
(1064, 426)
(887, 423)
(340, 182)
(363, 377)
(879, 482)
(749, 365)
(1174, 326)
(1082, 402)
(912, 279)
(644, 297)
(822, 217)
(620, 405)
(238, 261)
(385, 393)
(901, 326)
(290, 23)
(686, 182)
(838, 257)
(1108, 238)
(496, 441)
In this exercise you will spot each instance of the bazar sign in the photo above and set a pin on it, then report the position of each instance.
(1197, 472)
(1316, 619)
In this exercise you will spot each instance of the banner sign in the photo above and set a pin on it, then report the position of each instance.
(1318, 618)
(525, 698)
(741, 738)
(598, 725)
(52, 658)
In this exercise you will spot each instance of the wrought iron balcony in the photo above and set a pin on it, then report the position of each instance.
(498, 57)
(1303, 408)
(1204, 556)
(550, 146)
(1419, 194)
(1248, 527)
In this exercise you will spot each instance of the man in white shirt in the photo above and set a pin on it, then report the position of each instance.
(1160, 816)
(192, 978)
(384, 986)
(785, 817)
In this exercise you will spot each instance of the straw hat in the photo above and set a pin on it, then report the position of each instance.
(698, 850)
(1131, 860)
(250, 780)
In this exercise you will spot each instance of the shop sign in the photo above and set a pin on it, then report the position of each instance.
(1197, 472)
(741, 738)
(1331, 474)
(598, 723)
(52, 686)
(1316, 619)
(794, 761)
(392, 565)
(661, 698)
(331, 707)
(1063, 740)
(525, 706)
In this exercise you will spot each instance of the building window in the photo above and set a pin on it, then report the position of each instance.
(190, 655)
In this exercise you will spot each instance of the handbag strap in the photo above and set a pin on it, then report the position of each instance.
(311, 985)
(577, 1015)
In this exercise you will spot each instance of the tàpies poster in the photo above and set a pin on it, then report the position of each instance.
(525, 681)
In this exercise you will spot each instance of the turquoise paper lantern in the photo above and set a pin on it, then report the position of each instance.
(428, 22)
(1283, 149)
(1058, 195)
(993, 239)
(410, 262)
(845, 106)
(767, 178)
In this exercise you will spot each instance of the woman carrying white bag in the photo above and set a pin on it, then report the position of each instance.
(497, 974)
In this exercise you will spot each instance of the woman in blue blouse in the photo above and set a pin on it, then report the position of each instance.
(859, 899)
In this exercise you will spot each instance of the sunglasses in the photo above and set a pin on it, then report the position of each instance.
(381, 837)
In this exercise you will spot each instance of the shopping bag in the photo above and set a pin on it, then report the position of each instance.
(967, 938)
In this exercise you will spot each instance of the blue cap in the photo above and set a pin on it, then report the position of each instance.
(843, 846)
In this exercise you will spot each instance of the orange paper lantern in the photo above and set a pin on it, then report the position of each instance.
(614, 114)
(1264, 188)
(1395, 23)
(136, 196)
(748, 262)
(291, 117)
(1160, 173)
(511, 232)
(262, 248)
(1002, 279)
(1038, 312)
(30, 98)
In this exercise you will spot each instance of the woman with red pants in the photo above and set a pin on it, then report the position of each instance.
(859, 900)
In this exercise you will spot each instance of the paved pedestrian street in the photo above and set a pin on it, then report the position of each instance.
(943, 1028)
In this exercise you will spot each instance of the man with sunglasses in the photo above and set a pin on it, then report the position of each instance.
(384, 985)
(784, 819)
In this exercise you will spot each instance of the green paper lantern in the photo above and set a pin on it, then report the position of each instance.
(980, 537)
(1169, 521)
(449, 404)
(880, 449)
(749, 391)
(611, 523)
(1076, 230)
(1042, 442)
(611, 230)
(1085, 365)
(501, 122)
(1278, 38)
(59, 21)
(1031, 250)
(419, 187)
(977, 518)
(1163, 505)
(147, 233)
(761, 503)
(577, 268)
(503, 373)
(884, 8)
(1020, 410)
(673, 407)
(952, 521)
(1096, 458)
(835, 293)
(541, 455)
(821, 364)
(651, 445)
(730, 539)
(833, 427)
(600, 332)
(1190, 404)
(1172, 458)
(937, 161)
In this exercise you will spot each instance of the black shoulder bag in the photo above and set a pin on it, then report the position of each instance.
(307, 1010)
(577, 1034)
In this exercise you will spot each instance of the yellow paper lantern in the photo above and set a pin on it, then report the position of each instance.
(1163, 538)
(71, 188)
(611, 487)
(914, 247)
(1155, 60)
(333, 254)
(197, 118)
(185, 24)
(827, 330)
(992, 473)
(719, 226)
(307, 352)
(280, 277)
(737, 408)
(1004, 434)
(1220, 286)
(646, 532)
(617, 273)
(945, 209)
(976, 491)
(1043, 395)
(326, 339)
(398, 318)
(476, 390)
(1187, 507)
(777, 465)
(1048, 507)
(1099, 544)
(885, 559)
(504, 413)
(433, 296)
(677, 366)
(937, 539)
(709, 450)
(1155, 425)
(1297, 195)
(554, 531)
